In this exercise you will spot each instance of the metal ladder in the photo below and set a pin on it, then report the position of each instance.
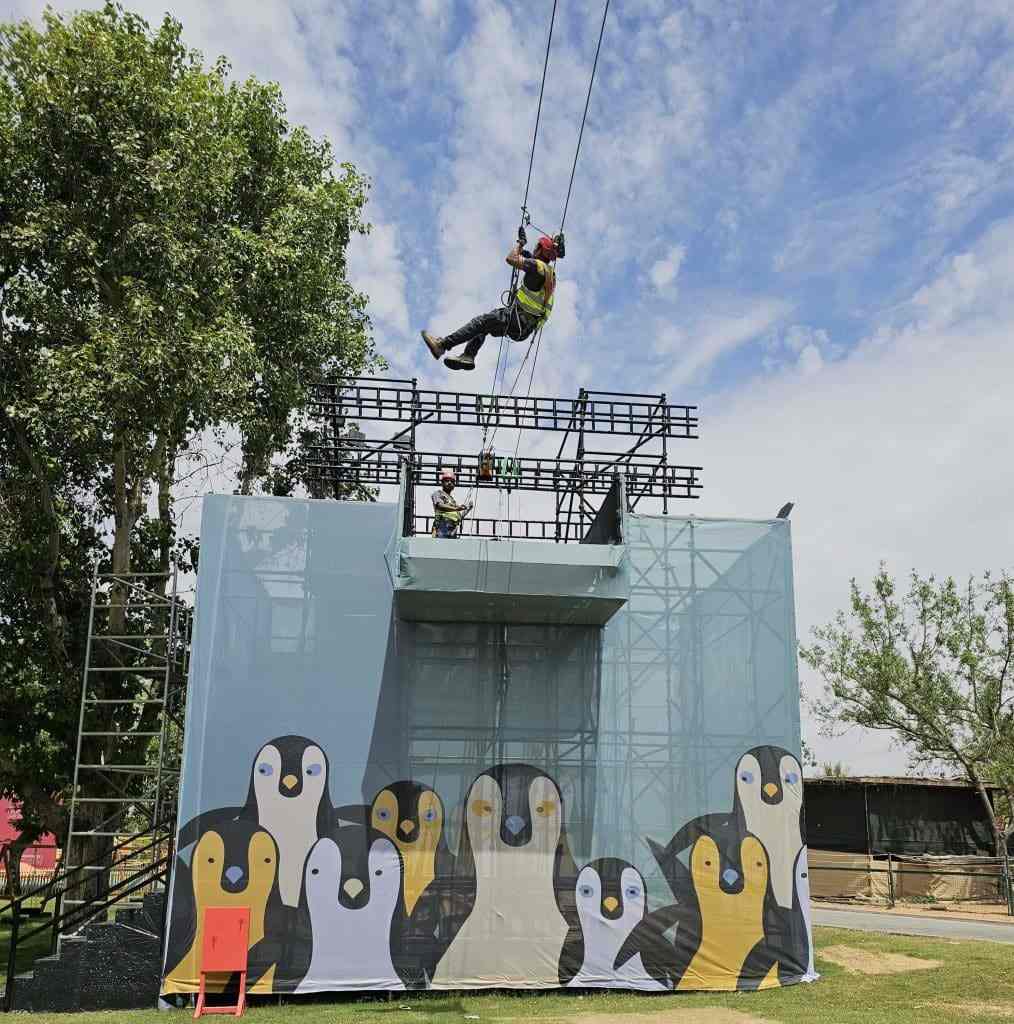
(130, 728)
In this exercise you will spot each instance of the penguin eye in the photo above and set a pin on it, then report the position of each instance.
(546, 808)
(483, 808)
(314, 769)
(430, 815)
(383, 814)
(265, 769)
(632, 892)
(746, 776)
(586, 891)
(792, 778)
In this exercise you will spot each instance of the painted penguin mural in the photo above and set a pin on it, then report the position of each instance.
(351, 901)
(412, 815)
(769, 798)
(513, 870)
(767, 805)
(731, 914)
(610, 903)
(233, 865)
(288, 796)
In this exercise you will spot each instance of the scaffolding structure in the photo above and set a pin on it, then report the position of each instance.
(130, 730)
(687, 674)
(576, 474)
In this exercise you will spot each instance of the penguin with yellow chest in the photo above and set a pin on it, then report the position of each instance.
(411, 814)
(233, 865)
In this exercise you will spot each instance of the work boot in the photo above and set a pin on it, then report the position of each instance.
(462, 362)
(434, 344)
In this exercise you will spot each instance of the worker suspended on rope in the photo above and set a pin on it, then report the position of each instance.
(447, 513)
(526, 311)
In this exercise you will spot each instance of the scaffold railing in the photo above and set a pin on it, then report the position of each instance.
(598, 412)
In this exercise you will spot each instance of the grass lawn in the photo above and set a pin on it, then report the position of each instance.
(974, 983)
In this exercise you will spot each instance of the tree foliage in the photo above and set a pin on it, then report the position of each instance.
(172, 267)
(933, 667)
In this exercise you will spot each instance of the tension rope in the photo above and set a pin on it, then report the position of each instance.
(503, 354)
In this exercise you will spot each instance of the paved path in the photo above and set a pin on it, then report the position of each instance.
(905, 924)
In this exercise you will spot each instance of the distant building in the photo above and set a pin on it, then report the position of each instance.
(887, 814)
(41, 854)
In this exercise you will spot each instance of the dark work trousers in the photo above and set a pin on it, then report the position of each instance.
(515, 323)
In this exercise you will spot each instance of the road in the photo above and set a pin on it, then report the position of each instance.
(905, 924)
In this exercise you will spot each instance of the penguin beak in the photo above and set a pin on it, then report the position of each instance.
(771, 790)
(610, 903)
(353, 887)
(290, 781)
(407, 827)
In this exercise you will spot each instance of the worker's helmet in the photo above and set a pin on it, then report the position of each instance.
(547, 247)
(447, 474)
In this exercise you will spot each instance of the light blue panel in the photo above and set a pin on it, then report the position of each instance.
(698, 668)
(640, 724)
(290, 637)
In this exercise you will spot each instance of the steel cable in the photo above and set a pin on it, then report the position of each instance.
(584, 116)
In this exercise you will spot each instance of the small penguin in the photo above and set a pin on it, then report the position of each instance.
(233, 865)
(352, 899)
(513, 872)
(412, 815)
(610, 903)
(288, 795)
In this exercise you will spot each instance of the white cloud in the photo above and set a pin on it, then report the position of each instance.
(891, 453)
(375, 266)
(697, 347)
(664, 271)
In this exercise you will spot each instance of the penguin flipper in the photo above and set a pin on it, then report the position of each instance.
(351, 814)
(756, 967)
(658, 954)
(204, 822)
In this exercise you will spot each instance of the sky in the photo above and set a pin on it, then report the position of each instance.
(798, 216)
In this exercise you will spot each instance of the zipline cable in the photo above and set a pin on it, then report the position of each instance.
(584, 116)
(538, 112)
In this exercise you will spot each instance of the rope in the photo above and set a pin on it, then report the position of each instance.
(584, 116)
(538, 112)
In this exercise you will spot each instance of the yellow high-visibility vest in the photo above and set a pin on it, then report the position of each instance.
(539, 304)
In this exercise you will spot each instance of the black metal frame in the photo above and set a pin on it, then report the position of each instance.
(649, 419)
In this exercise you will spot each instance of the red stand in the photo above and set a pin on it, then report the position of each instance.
(224, 950)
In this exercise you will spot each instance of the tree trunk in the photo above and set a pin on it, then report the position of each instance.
(999, 843)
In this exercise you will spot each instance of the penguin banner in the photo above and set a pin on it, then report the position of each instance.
(416, 805)
(372, 897)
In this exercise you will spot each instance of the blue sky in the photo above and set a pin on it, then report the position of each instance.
(799, 215)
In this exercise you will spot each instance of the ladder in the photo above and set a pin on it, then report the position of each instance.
(130, 730)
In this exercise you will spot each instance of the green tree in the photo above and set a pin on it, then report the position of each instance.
(172, 267)
(935, 667)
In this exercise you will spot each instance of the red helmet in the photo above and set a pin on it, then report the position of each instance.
(547, 247)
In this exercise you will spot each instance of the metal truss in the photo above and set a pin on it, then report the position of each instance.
(577, 477)
(130, 726)
(667, 742)
(601, 412)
